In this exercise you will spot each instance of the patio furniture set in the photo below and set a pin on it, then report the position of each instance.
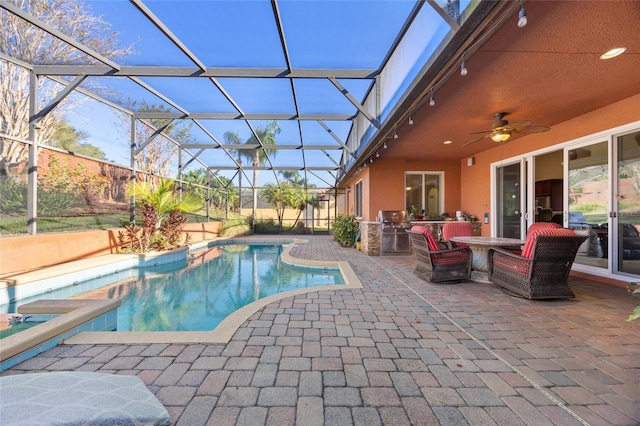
(535, 268)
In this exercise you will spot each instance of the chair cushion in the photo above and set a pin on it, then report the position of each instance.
(451, 258)
(517, 267)
(79, 398)
(541, 225)
(456, 229)
(431, 242)
(527, 251)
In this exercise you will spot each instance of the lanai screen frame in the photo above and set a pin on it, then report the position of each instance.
(371, 123)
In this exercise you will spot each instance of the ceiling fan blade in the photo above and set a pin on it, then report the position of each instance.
(533, 129)
(517, 124)
(480, 133)
(476, 140)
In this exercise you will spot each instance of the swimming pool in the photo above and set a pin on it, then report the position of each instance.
(216, 282)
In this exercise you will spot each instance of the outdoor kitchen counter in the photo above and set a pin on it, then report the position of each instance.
(371, 233)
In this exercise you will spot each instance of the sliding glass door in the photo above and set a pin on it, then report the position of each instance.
(626, 215)
(592, 187)
(509, 200)
(588, 201)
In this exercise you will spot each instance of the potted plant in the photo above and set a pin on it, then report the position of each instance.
(345, 230)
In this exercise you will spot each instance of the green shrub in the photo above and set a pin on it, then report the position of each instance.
(57, 203)
(587, 208)
(13, 196)
(345, 230)
(266, 227)
(235, 227)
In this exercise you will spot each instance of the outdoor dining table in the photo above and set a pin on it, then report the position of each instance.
(480, 248)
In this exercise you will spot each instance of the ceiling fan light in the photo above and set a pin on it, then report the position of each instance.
(500, 137)
(522, 17)
(613, 53)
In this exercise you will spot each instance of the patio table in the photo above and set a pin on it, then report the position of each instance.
(480, 248)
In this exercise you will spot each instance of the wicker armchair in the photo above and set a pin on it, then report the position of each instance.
(542, 269)
(435, 262)
(457, 229)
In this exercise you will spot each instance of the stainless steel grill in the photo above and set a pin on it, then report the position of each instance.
(395, 239)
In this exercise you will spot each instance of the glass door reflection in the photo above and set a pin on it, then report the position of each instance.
(508, 199)
(588, 174)
(627, 217)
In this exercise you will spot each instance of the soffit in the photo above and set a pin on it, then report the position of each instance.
(547, 72)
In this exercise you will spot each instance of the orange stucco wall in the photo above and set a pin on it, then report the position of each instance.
(383, 185)
(475, 188)
(388, 182)
(468, 187)
(29, 252)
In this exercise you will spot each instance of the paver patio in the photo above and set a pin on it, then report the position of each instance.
(399, 351)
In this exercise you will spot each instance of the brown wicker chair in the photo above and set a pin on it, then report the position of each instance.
(542, 270)
(457, 229)
(441, 265)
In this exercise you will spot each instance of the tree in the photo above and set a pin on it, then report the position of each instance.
(68, 138)
(267, 136)
(25, 42)
(294, 177)
(299, 198)
(257, 157)
(277, 196)
(234, 139)
(286, 195)
(220, 186)
(159, 151)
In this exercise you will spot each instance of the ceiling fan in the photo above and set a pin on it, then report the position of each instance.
(502, 131)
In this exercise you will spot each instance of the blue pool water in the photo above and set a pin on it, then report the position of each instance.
(216, 282)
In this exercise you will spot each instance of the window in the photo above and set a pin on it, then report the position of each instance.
(358, 199)
(423, 193)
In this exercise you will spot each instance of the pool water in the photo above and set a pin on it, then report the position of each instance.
(216, 282)
(8, 330)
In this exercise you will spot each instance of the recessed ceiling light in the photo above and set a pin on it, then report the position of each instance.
(447, 142)
(613, 53)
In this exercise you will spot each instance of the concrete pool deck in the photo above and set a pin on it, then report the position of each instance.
(397, 351)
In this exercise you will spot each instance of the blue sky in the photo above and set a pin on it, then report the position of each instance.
(319, 34)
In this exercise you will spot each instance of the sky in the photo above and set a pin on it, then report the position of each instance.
(319, 34)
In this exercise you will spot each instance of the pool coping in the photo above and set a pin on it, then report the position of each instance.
(227, 328)
(69, 316)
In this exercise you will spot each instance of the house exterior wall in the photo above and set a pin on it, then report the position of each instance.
(468, 188)
(383, 185)
(475, 190)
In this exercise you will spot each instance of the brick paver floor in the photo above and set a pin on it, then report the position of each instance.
(400, 351)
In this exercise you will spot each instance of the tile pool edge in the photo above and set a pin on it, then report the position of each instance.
(228, 327)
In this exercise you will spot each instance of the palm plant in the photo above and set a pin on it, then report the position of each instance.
(233, 138)
(163, 220)
(266, 137)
